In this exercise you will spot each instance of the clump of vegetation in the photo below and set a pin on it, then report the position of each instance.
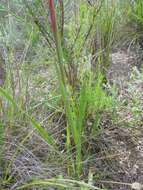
(136, 19)
(56, 99)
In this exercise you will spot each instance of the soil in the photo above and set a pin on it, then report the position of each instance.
(121, 65)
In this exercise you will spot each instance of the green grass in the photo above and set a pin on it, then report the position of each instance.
(136, 20)
(60, 183)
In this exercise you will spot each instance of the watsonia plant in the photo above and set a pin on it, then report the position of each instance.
(77, 103)
(69, 102)
(76, 97)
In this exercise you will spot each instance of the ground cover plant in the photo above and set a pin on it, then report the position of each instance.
(71, 94)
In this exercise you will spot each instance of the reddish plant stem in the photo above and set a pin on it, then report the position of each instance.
(62, 16)
(52, 16)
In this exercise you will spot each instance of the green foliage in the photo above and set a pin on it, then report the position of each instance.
(106, 33)
(136, 12)
(40, 130)
(136, 20)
